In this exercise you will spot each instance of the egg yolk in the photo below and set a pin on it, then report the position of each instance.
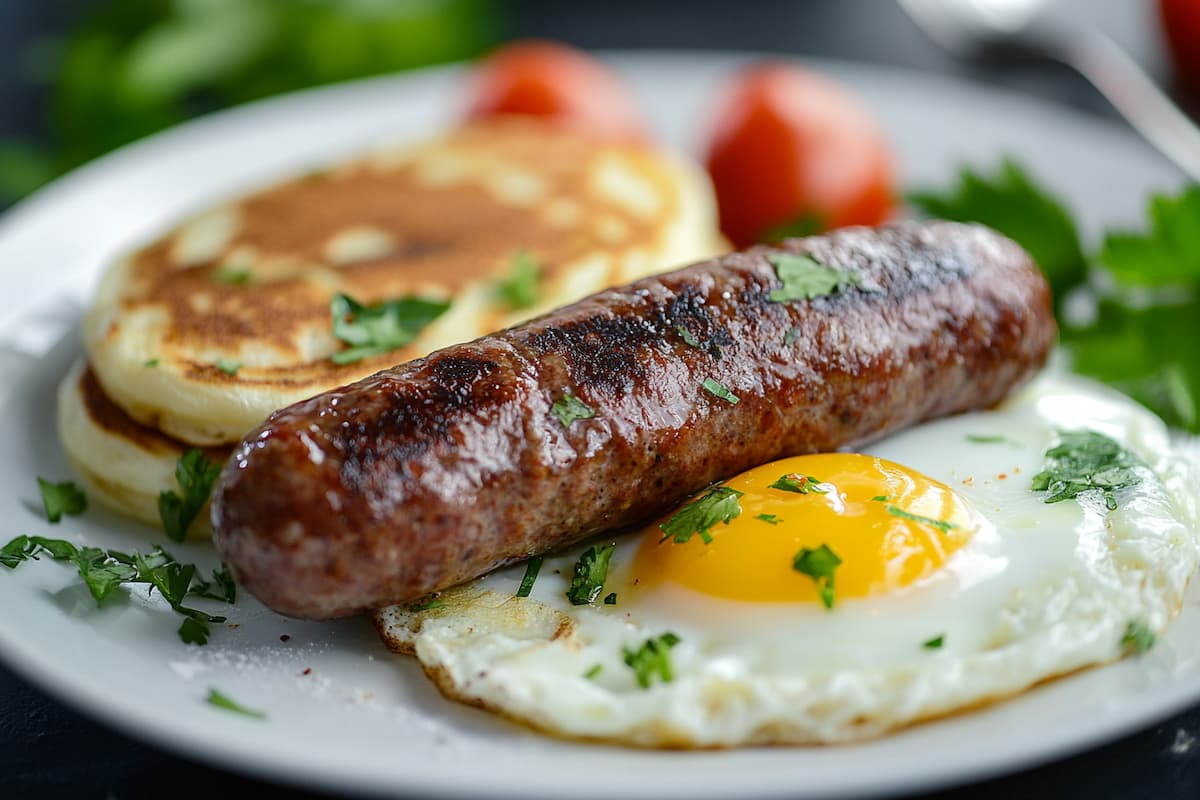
(889, 525)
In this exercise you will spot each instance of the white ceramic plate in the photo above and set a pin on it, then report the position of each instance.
(343, 713)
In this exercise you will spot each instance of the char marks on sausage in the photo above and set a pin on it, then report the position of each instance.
(438, 470)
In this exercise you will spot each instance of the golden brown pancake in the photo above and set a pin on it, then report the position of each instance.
(204, 332)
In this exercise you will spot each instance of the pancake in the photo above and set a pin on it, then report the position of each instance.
(206, 331)
(121, 463)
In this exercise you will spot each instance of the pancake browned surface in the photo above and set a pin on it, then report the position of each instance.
(205, 332)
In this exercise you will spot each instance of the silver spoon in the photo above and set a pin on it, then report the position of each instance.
(969, 28)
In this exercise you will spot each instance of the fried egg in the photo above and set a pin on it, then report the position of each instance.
(835, 597)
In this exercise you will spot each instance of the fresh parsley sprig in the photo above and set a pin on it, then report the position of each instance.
(377, 329)
(805, 278)
(591, 570)
(800, 484)
(820, 564)
(519, 290)
(61, 498)
(1084, 460)
(195, 475)
(719, 504)
(103, 571)
(652, 659)
(569, 408)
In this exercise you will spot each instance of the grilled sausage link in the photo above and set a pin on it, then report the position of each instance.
(436, 471)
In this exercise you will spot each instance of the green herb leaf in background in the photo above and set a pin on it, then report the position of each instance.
(61, 498)
(519, 289)
(134, 67)
(195, 475)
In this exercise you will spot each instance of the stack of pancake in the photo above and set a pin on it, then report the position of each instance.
(194, 339)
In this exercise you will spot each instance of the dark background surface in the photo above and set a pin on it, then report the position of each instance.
(48, 750)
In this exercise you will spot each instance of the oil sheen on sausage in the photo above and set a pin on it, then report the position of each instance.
(438, 470)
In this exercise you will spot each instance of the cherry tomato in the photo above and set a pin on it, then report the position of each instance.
(793, 151)
(1181, 25)
(556, 82)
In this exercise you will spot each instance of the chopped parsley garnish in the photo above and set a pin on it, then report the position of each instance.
(591, 570)
(219, 700)
(103, 571)
(569, 408)
(1138, 637)
(800, 484)
(232, 275)
(1083, 460)
(820, 565)
(718, 389)
(770, 519)
(935, 643)
(61, 498)
(941, 524)
(804, 278)
(195, 475)
(373, 330)
(652, 658)
(688, 337)
(228, 365)
(719, 504)
(880, 498)
(150, 362)
(593, 671)
(977, 438)
(791, 336)
(520, 289)
(532, 567)
(427, 605)
(610, 599)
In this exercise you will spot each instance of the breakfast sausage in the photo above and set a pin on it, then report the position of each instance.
(438, 470)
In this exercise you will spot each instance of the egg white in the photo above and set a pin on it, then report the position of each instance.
(1039, 591)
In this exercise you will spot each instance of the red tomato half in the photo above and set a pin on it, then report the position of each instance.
(1181, 24)
(558, 83)
(791, 149)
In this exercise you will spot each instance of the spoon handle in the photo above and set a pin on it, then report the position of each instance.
(1135, 96)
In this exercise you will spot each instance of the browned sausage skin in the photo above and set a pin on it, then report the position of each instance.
(439, 470)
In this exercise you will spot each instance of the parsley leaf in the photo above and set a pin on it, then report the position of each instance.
(1083, 460)
(940, 524)
(590, 573)
(935, 643)
(219, 700)
(610, 599)
(373, 330)
(719, 504)
(652, 658)
(1138, 638)
(61, 498)
(532, 567)
(977, 438)
(770, 519)
(718, 389)
(1169, 253)
(431, 603)
(228, 365)
(800, 484)
(1013, 204)
(231, 275)
(103, 571)
(569, 408)
(805, 278)
(820, 565)
(520, 289)
(791, 336)
(688, 337)
(195, 475)
(221, 587)
(593, 671)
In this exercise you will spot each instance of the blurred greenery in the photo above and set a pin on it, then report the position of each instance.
(134, 67)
